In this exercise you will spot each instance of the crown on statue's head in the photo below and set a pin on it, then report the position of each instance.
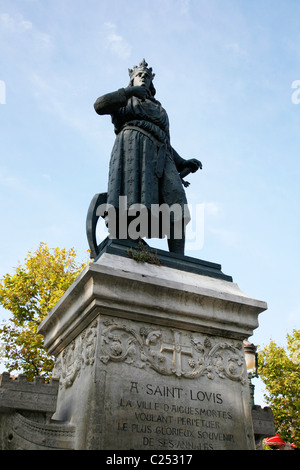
(143, 66)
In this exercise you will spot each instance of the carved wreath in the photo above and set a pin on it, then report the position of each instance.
(147, 348)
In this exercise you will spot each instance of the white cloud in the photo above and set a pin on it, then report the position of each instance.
(184, 6)
(55, 94)
(212, 208)
(115, 42)
(179, 7)
(226, 236)
(235, 48)
(214, 224)
(14, 25)
(9, 181)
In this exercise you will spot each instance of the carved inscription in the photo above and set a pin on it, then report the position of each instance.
(192, 358)
(158, 416)
(171, 389)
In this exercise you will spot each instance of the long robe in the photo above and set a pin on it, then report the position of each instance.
(143, 165)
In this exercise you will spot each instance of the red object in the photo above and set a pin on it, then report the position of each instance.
(274, 441)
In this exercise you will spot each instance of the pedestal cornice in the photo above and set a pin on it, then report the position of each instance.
(121, 287)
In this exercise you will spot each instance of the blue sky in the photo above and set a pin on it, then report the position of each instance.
(224, 72)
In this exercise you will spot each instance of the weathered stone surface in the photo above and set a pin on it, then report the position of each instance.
(150, 357)
(25, 415)
(263, 422)
(160, 295)
(176, 390)
(20, 394)
(21, 431)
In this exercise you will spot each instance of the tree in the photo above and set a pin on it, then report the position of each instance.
(279, 369)
(29, 295)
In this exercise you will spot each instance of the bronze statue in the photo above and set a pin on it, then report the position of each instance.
(143, 166)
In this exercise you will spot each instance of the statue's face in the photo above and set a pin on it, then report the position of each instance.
(142, 78)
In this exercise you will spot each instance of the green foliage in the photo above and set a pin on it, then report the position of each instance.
(29, 295)
(280, 371)
(143, 255)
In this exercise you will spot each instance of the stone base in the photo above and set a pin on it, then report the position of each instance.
(151, 358)
(263, 424)
(26, 409)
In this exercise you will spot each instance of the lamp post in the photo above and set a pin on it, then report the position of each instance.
(251, 359)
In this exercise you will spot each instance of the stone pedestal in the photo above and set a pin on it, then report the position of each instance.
(151, 357)
(26, 409)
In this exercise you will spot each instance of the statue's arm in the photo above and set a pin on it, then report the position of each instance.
(179, 161)
(190, 166)
(109, 103)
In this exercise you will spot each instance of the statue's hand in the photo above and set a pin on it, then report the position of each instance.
(189, 166)
(138, 91)
(193, 165)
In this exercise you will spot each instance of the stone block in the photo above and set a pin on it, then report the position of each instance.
(263, 422)
(21, 394)
(151, 358)
(25, 415)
